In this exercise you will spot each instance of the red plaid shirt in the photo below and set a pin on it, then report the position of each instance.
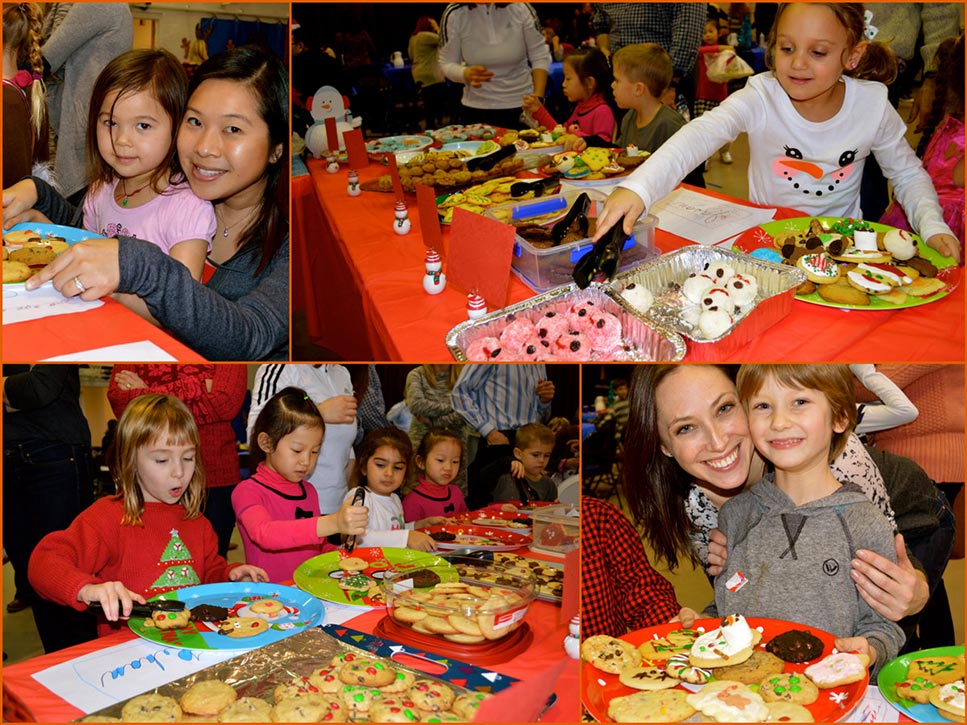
(620, 592)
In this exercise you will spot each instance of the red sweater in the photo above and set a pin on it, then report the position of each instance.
(213, 411)
(168, 552)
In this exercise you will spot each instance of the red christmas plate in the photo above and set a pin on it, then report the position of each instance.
(599, 688)
(513, 521)
(481, 538)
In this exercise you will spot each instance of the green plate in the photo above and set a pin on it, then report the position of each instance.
(321, 574)
(895, 671)
(761, 236)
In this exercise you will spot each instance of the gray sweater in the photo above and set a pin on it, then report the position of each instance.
(86, 40)
(797, 562)
(235, 316)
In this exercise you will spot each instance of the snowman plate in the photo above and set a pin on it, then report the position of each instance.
(393, 144)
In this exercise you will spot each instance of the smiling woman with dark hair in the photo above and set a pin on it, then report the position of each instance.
(232, 147)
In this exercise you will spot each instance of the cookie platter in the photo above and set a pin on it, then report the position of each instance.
(308, 675)
(944, 665)
(657, 645)
(477, 538)
(253, 615)
(641, 340)
(669, 301)
(356, 578)
(32, 246)
(931, 275)
(548, 575)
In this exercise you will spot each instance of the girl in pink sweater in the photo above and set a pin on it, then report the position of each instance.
(438, 459)
(277, 512)
(148, 539)
(587, 83)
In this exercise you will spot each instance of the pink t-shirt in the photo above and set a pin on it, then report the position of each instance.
(277, 522)
(429, 499)
(172, 217)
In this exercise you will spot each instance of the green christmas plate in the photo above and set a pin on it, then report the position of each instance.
(245, 629)
(361, 578)
(895, 671)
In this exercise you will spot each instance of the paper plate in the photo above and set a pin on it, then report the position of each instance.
(320, 575)
(479, 538)
(761, 236)
(599, 688)
(301, 612)
(895, 671)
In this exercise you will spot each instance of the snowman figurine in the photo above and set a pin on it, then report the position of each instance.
(327, 102)
(402, 224)
(572, 643)
(476, 306)
(353, 188)
(332, 165)
(434, 281)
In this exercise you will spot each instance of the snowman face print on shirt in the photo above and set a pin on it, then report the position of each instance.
(812, 178)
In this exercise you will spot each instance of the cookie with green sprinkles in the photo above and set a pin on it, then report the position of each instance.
(792, 687)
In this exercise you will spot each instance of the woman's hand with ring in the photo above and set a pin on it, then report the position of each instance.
(89, 269)
(893, 590)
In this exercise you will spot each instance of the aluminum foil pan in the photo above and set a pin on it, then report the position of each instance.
(645, 340)
(663, 276)
(258, 672)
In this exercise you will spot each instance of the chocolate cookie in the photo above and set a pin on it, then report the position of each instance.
(208, 613)
(795, 645)
(424, 578)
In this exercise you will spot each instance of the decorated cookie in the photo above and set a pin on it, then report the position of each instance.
(657, 706)
(609, 654)
(310, 708)
(431, 695)
(239, 627)
(393, 709)
(171, 620)
(356, 583)
(916, 688)
(751, 672)
(796, 645)
(938, 669)
(679, 667)
(353, 563)
(402, 681)
(466, 705)
(727, 701)
(819, 268)
(246, 709)
(838, 669)
(358, 699)
(269, 608)
(788, 712)
(365, 672)
(151, 708)
(208, 697)
(647, 678)
(949, 700)
(729, 644)
(789, 687)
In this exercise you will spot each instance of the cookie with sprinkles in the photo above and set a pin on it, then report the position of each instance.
(661, 648)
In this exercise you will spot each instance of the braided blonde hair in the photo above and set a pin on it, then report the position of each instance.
(23, 31)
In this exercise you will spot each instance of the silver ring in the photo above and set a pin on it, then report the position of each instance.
(80, 287)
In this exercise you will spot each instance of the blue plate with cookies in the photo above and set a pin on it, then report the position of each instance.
(912, 692)
(230, 616)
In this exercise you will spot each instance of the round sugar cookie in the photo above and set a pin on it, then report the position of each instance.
(609, 654)
(151, 708)
(366, 672)
(246, 709)
(647, 678)
(656, 706)
(208, 697)
(788, 712)
(393, 709)
(431, 696)
(949, 700)
(16, 271)
(270, 608)
(309, 708)
(788, 687)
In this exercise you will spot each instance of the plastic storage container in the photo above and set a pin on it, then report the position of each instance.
(474, 601)
(557, 529)
(542, 269)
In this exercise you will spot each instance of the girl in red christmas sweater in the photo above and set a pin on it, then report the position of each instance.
(148, 539)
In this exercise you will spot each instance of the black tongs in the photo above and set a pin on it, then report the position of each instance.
(358, 499)
(489, 161)
(577, 213)
(145, 610)
(603, 257)
(539, 187)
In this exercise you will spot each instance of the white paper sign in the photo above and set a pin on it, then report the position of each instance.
(141, 351)
(118, 673)
(873, 708)
(19, 305)
(705, 219)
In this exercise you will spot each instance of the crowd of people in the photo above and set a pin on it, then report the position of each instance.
(317, 468)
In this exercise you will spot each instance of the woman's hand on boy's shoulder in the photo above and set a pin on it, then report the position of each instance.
(116, 600)
(717, 552)
(946, 244)
(248, 573)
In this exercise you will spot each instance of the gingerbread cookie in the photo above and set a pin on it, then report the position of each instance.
(796, 645)
(937, 669)
(609, 654)
(751, 672)
(647, 678)
(151, 708)
(658, 706)
(789, 687)
(208, 697)
(838, 669)
(788, 712)
(368, 673)
(246, 709)
(269, 608)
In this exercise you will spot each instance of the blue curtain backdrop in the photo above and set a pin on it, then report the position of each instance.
(242, 32)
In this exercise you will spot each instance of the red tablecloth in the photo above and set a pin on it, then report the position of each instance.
(360, 285)
(111, 324)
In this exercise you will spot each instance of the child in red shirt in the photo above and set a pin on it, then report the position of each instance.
(708, 93)
(148, 539)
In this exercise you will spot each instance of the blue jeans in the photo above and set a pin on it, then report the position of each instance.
(46, 484)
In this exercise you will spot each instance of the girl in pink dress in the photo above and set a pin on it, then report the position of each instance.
(942, 145)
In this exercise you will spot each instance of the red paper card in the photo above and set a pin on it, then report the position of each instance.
(570, 601)
(332, 137)
(394, 175)
(355, 148)
(480, 254)
(429, 218)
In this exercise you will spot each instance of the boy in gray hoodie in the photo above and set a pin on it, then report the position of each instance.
(793, 534)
